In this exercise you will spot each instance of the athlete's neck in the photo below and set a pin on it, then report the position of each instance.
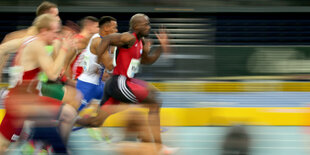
(84, 33)
(139, 36)
(103, 33)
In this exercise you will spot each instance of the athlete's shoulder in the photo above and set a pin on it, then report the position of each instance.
(128, 35)
(95, 42)
(128, 38)
(15, 35)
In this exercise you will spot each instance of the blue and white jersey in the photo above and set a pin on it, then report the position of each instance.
(92, 71)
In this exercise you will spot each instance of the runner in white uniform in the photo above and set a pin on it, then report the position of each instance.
(90, 81)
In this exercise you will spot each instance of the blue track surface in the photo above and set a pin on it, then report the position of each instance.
(238, 99)
(205, 140)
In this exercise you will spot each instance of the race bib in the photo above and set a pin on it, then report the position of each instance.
(133, 67)
(85, 62)
(16, 75)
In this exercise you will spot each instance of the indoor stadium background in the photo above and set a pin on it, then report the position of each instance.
(232, 63)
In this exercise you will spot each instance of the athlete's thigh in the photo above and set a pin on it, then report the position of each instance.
(72, 96)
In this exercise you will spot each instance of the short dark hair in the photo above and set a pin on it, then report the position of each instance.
(86, 19)
(44, 7)
(105, 19)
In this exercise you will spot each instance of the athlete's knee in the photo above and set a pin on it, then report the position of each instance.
(152, 98)
(67, 114)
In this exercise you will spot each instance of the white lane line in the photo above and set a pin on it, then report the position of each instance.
(202, 141)
(224, 133)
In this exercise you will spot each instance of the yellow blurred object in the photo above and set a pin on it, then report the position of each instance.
(223, 116)
(216, 116)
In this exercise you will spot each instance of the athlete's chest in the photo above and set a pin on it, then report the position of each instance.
(135, 51)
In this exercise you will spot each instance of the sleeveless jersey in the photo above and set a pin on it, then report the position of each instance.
(16, 72)
(90, 65)
(128, 59)
(76, 67)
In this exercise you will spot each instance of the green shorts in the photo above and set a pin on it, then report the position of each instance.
(53, 90)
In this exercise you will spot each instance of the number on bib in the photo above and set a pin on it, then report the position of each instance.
(133, 67)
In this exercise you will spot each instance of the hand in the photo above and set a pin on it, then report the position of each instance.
(163, 39)
(67, 37)
(68, 42)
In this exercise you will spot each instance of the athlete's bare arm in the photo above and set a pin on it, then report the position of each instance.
(56, 48)
(146, 58)
(6, 48)
(116, 39)
(15, 35)
(10, 46)
(51, 67)
(105, 57)
(150, 59)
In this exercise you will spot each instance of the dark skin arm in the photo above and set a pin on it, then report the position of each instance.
(146, 58)
(105, 58)
(150, 59)
(117, 39)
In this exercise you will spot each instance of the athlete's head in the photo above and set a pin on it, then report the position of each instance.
(108, 25)
(140, 24)
(48, 7)
(90, 23)
(48, 27)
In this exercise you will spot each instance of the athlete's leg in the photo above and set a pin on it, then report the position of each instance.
(72, 97)
(67, 94)
(67, 118)
(89, 92)
(153, 104)
(147, 95)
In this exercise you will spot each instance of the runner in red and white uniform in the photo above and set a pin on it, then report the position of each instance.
(23, 101)
(89, 27)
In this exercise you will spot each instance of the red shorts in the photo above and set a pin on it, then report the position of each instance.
(12, 122)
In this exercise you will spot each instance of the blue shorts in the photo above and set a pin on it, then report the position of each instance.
(90, 91)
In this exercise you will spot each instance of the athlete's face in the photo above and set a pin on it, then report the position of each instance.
(111, 27)
(52, 33)
(144, 26)
(93, 27)
(55, 12)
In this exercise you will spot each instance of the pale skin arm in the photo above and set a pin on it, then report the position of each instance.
(51, 67)
(6, 48)
(10, 46)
